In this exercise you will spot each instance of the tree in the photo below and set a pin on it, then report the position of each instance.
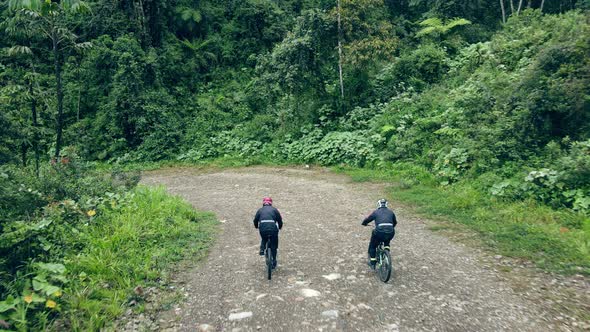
(29, 90)
(340, 53)
(437, 28)
(49, 19)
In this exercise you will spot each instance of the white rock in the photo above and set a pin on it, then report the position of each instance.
(332, 276)
(307, 292)
(364, 306)
(393, 327)
(205, 328)
(330, 313)
(240, 315)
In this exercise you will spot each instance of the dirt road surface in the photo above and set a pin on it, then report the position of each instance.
(322, 282)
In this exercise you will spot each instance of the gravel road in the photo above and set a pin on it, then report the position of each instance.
(322, 282)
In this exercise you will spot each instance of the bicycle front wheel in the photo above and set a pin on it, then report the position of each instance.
(268, 256)
(385, 266)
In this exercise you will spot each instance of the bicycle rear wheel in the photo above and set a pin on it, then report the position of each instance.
(268, 257)
(385, 266)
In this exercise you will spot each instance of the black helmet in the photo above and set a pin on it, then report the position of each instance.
(382, 203)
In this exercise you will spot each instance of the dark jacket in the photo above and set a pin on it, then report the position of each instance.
(268, 212)
(384, 219)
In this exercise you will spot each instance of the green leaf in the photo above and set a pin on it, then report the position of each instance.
(50, 289)
(37, 298)
(52, 267)
(39, 285)
(7, 305)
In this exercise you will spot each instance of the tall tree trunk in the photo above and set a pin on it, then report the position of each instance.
(59, 90)
(23, 152)
(79, 91)
(142, 25)
(542, 3)
(519, 7)
(503, 11)
(528, 4)
(35, 129)
(511, 7)
(340, 54)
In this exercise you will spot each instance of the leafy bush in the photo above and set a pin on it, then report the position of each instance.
(412, 71)
(44, 219)
(351, 148)
(226, 143)
(564, 185)
(450, 166)
(145, 229)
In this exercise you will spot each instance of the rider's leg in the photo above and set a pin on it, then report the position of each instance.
(274, 246)
(262, 243)
(387, 239)
(373, 243)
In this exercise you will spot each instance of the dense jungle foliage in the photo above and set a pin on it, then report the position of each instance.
(483, 97)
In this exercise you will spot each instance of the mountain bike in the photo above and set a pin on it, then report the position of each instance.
(383, 265)
(268, 258)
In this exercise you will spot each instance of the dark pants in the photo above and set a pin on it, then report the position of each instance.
(376, 238)
(274, 242)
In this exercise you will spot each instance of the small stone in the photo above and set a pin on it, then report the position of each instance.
(240, 315)
(260, 296)
(330, 313)
(307, 292)
(392, 327)
(332, 276)
(364, 306)
(205, 328)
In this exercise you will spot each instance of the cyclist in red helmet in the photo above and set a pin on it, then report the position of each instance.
(268, 220)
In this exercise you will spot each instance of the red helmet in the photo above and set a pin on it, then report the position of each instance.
(267, 201)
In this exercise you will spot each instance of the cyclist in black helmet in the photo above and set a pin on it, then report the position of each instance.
(384, 231)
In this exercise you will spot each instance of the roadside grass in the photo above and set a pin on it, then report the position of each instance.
(131, 247)
(557, 241)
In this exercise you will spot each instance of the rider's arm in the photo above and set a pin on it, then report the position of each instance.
(279, 219)
(368, 219)
(256, 219)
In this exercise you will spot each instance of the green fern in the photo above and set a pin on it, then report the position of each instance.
(435, 25)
